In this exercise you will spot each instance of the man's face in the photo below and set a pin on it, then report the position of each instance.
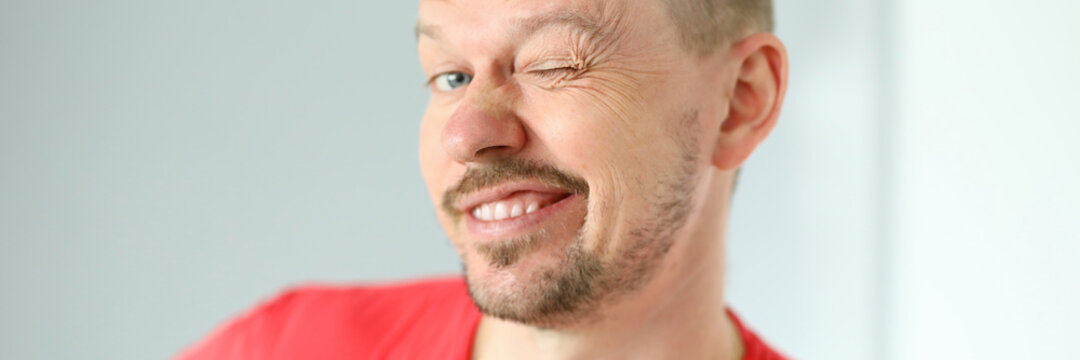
(562, 146)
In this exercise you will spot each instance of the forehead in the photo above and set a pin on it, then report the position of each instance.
(514, 18)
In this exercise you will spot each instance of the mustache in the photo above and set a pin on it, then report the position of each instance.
(504, 170)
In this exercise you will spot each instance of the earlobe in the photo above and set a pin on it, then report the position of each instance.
(760, 68)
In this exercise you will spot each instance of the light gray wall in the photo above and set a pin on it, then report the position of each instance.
(164, 165)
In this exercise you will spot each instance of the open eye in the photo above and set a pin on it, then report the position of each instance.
(449, 81)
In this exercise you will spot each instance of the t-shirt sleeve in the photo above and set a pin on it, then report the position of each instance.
(754, 347)
(423, 320)
(241, 337)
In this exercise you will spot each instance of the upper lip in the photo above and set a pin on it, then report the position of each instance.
(501, 191)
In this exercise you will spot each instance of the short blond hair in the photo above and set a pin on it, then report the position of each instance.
(706, 25)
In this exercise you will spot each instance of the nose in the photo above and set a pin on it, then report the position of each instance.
(483, 127)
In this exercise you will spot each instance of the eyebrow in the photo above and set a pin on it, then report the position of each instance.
(525, 27)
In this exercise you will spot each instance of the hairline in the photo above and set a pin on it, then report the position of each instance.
(707, 26)
(528, 26)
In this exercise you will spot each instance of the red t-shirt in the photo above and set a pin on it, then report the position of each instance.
(432, 319)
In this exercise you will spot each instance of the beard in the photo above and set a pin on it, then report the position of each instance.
(582, 280)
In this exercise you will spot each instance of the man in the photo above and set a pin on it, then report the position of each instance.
(581, 156)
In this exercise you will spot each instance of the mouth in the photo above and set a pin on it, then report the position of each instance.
(517, 204)
(512, 209)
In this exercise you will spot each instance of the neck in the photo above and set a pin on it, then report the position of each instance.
(679, 314)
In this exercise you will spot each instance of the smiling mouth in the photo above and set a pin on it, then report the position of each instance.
(517, 204)
(511, 197)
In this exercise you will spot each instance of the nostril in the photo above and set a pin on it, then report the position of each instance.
(492, 150)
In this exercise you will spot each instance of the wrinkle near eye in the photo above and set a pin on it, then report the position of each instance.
(563, 47)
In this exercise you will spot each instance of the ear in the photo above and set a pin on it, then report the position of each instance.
(755, 94)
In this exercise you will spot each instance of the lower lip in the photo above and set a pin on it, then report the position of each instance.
(508, 228)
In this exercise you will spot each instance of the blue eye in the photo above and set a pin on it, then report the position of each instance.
(451, 80)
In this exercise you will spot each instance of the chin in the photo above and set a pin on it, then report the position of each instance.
(548, 286)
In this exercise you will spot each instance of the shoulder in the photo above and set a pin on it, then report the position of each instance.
(328, 321)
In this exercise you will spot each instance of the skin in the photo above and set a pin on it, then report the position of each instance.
(603, 93)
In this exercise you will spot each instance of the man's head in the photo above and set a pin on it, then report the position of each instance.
(570, 145)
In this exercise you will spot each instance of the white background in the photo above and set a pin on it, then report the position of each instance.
(164, 166)
(986, 205)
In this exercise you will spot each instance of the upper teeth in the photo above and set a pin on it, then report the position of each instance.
(500, 210)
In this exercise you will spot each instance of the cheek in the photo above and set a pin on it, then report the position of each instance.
(610, 146)
(434, 163)
(438, 170)
(594, 133)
